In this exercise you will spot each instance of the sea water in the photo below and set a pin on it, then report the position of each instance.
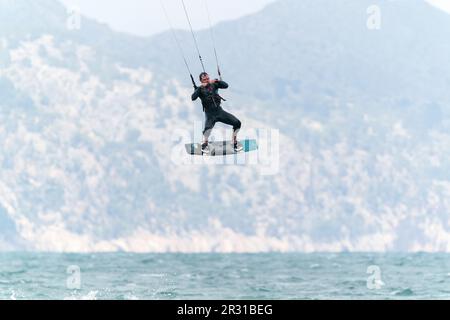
(224, 276)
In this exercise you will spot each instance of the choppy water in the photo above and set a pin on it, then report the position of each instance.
(220, 276)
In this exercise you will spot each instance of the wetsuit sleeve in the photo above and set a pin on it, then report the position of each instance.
(196, 94)
(222, 84)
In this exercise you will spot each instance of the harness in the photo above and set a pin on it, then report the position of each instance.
(212, 96)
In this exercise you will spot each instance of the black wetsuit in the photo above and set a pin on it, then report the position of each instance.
(212, 106)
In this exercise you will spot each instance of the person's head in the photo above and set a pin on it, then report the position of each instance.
(204, 77)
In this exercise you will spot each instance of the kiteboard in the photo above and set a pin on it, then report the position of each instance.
(222, 148)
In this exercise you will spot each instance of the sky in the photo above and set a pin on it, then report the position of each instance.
(442, 4)
(146, 17)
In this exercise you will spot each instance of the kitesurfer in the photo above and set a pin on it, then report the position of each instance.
(208, 92)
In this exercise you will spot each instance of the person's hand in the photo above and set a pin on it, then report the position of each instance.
(214, 81)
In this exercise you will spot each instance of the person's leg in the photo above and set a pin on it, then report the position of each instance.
(229, 119)
(210, 122)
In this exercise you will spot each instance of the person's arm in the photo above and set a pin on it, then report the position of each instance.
(221, 84)
(196, 94)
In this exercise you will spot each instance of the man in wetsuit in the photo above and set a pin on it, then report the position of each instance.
(208, 93)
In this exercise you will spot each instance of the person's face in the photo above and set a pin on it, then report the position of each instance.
(205, 79)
